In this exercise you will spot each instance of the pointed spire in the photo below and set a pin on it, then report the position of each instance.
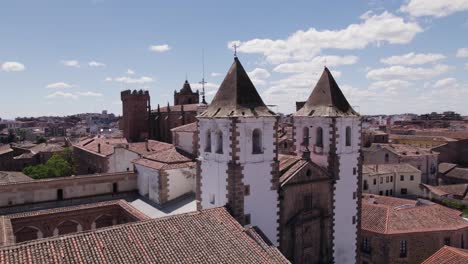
(168, 107)
(158, 109)
(237, 96)
(326, 99)
(186, 89)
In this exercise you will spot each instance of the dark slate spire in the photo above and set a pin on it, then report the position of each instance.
(237, 96)
(326, 99)
(186, 89)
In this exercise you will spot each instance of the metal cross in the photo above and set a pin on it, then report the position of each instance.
(235, 46)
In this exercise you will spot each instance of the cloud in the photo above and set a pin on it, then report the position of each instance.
(160, 48)
(12, 66)
(258, 76)
(91, 94)
(129, 80)
(390, 84)
(435, 8)
(74, 96)
(71, 63)
(215, 74)
(59, 85)
(466, 66)
(303, 45)
(413, 58)
(130, 72)
(60, 94)
(462, 53)
(316, 64)
(406, 73)
(96, 64)
(445, 83)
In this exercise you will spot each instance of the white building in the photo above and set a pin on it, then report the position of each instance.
(238, 164)
(330, 129)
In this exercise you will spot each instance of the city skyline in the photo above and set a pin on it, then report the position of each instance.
(61, 60)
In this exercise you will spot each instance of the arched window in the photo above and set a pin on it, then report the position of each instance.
(348, 136)
(319, 137)
(219, 142)
(386, 157)
(305, 136)
(208, 141)
(257, 141)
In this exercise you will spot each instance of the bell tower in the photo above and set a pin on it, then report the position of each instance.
(330, 128)
(238, 158)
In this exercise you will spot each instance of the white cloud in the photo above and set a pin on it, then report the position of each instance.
(466, 66)
(413, 58)
(71, 63)
(316, 64)
(96, 64)
(160, 48)
(445, 83)
(304, 45)
(130, 72)
(12, 66)
(406, 73)
(92, 94)
(59, 85)
(462, 53)
(390, 84)
(215, 74)
(435, 8)
(129, 80)
(258, 76)
(60, 94)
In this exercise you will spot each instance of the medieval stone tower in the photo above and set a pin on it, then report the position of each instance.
(135, 115)
(330, 129)
(186, 95)
(238, 160)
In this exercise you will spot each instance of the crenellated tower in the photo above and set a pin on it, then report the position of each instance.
(135, 115)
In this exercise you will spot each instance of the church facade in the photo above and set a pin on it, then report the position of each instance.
(305, 203)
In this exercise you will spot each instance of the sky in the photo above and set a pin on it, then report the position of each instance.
(389, 57)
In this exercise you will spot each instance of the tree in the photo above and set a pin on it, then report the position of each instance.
(56, 166)
(40, 171)
(41, 140)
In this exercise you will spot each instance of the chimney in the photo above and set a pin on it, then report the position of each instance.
(99, 147)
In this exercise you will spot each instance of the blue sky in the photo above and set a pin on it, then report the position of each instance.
(65, 57)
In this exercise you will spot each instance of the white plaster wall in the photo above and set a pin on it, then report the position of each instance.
(262, 203)
(153, 186)
(185, 141)
(144, 174)
(181, 181)
(121, 160)
(214, 165)
(345, 205)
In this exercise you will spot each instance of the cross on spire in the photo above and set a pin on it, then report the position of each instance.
(202, 82)
(235, 46)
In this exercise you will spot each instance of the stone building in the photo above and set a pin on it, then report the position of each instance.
(453, 152)
(402, 231)
(423, 159)
(135, 115)
(186, 96)
(16, 158)
(391, 179)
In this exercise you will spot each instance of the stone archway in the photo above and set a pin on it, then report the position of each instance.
(67, 227)
(103, 221)
(28, 233)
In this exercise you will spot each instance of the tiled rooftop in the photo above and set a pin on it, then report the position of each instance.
(13, 176)
(192, 127)
(374, 169)
(208, 236)
(448, 255)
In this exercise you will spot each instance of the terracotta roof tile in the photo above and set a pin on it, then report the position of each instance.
(192, 127)
(13, 176)
(458, 173)
(208, 236)
(407, 216)
(448, 255)
(145, 148)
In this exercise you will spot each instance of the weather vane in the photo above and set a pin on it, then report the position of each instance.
(203, 78)
(235, 46)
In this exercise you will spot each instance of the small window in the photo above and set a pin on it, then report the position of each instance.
(403, 249)
(219, 142)
(404, 191)
(380, 192)
(391, 192)
(354, 171)
(391, 178)
(411, 178)
(381, 180)
(447, 241)
(365, 245)
(257, 141)
(319, 137)
(386, 192)
(247, 190)
(115, 187)
(305, 136)
(208, 141)
(365, 187)
(212, 199)
(354, 219)
(387, 179)
(375, 181)
(348, 136)
(60, 194)
(247, 219)
(402, 177)
(386, 158)
(354, 195)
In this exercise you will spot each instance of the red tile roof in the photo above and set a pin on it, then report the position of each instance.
(107, 145)
(192, 127)
(207, 236)
(171, 158)
(145, 148)
(459, 190)
(390, 215)
(448, 255)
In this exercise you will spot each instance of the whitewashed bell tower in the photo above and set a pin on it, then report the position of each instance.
(238, 160)
(331, 130)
